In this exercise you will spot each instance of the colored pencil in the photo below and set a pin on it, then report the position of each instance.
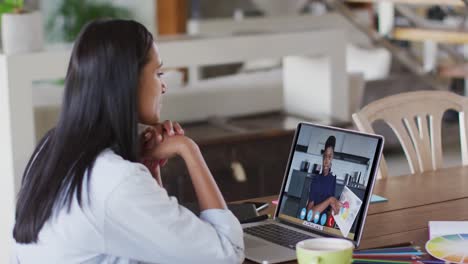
(396, 253)
(382, 261)
(431, 262)
(392, 254)
(402, 254)
(398, 249)
(389, 257)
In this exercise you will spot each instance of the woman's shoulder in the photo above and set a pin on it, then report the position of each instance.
(108, 160)
(110, 170)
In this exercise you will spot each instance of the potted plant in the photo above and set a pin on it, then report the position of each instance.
(70, 16)
(21, 30)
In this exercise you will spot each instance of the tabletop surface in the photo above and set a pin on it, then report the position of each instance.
(413, 201)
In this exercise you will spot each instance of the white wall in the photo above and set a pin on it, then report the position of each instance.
(346, 143)
(318, 138)
(353, 144)
(304, 136)
(361, 146)
(7, 184)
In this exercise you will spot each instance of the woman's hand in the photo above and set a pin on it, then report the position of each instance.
(335, 205)
(206, 189)
(178, 145)
(150, 138)
(157, 133)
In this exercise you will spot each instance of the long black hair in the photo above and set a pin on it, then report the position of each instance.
(99, 111)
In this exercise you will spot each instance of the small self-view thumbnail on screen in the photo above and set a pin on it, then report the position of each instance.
(327, 180)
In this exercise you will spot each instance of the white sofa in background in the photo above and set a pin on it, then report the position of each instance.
(373, 63)
(361, 55)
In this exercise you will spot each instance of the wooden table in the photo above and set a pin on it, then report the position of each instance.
(413, 201)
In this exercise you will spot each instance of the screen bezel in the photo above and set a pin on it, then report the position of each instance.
(367, 196)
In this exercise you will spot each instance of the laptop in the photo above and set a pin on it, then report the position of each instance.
(326, 192)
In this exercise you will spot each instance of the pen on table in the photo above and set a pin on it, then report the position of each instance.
(383, 261)
(403, 253)
(256, 219)
(400, 257)
(431, 262)
(386, 261)
(404, 244)
(389, 250)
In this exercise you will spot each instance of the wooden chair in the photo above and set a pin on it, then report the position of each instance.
(416, 118)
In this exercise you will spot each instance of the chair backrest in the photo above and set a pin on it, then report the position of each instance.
(416, 119)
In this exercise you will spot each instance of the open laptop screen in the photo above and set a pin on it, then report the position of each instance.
(329, 179)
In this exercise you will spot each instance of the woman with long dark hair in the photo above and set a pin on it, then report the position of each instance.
(85, 195)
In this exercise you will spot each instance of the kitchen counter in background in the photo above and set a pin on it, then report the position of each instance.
(246, 155)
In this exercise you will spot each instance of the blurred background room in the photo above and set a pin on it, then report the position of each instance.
(241, 74)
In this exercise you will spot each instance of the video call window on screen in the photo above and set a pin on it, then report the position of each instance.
(327, 181)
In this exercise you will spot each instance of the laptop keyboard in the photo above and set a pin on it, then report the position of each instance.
(277, 234)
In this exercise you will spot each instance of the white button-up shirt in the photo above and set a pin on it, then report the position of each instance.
(128, 218)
